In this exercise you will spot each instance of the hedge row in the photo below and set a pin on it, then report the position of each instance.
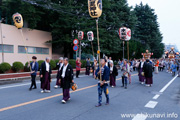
(17, 66)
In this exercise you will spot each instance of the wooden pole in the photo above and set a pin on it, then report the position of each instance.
(98, 48)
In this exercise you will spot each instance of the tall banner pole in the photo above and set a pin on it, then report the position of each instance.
(95, 11)
(98, 52)
(128, 50)
(92, 49)
(18, 22)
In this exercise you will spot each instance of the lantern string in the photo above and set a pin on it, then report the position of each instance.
(25, 47)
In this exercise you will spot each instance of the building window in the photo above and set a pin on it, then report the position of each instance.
(38, 50)
(33, 50)
(30, 50)
(45, 50)
(7, 48)
(21, 49)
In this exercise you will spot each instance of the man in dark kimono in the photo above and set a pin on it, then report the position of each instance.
(45, 76)
(66, 79)
(148, 72)
(59, 66)
(34, 68)
(140, 70)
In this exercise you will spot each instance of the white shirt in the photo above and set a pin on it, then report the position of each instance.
(47, 66)
(64, 71)
(142, 63)
(61, 64)
(33, 64)
(111, 68)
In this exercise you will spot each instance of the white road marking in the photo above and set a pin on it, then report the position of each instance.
(11, 86)
(167, 85)
(156, 97)
(151, 104)
(140, 117)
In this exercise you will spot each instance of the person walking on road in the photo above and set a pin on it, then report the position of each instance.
(45, 76)
(156, 66)
(78, 67)
(174, 68)
(126, 70)
(34, 68)
(59, 66)
(113, 74)
(140, 71)
(66, 79)
(102, 85)
(148, 72)
(88, 66)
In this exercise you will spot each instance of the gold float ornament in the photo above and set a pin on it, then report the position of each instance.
(95, 8)
(18, 20)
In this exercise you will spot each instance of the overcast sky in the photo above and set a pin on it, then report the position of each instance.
(168, 18)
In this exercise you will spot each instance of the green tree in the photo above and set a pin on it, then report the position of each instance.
(147, 30)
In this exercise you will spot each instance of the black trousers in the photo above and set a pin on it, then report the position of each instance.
(33, 81)
(77, 73)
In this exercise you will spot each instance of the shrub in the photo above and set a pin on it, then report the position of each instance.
(56, 61)
(17, 66)
(72, 62)
(83, 65)
(4, 67)
(26, 68)
(53, 64)
(40, 62)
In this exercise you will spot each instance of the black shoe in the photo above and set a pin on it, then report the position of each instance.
(98, 105)
(30, 89)
(125, 87)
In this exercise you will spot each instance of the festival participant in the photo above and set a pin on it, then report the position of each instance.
(126, 70)
(45, 75)
(66, 79)
(88, 66)
(148, 73)
(34, 68)
(102, 85)
(94, 67)
(156, 66)
(78, 67)
(140, 70)
(59, 66)
(174, 68)
(113, 74)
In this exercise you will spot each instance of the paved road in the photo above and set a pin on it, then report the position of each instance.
(138, 102)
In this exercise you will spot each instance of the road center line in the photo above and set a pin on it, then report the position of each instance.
(46, 98)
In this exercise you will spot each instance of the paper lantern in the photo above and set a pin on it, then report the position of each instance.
(123, 33)
(90, 36)
(80, 35)
(128, 34)
(18, 20)
(95, 8)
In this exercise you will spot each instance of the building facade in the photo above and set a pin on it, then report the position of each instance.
(12, 44)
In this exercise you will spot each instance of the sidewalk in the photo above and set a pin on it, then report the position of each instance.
(26, 75)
